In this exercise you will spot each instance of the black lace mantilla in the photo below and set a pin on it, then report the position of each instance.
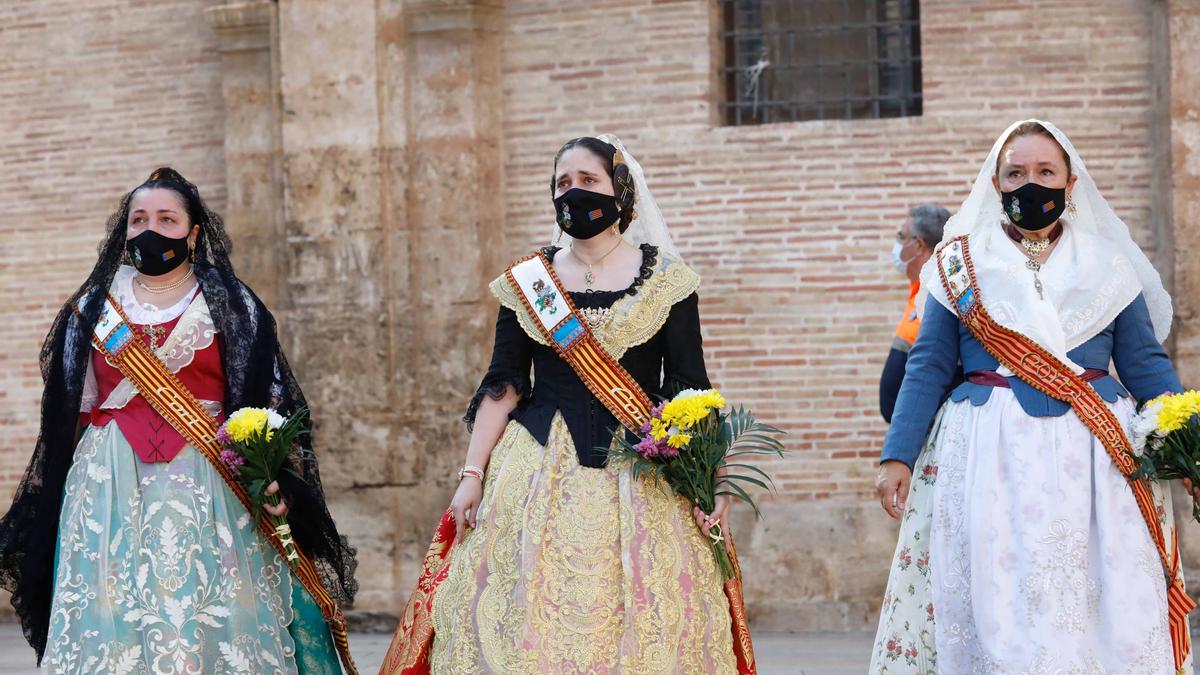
(256, 374)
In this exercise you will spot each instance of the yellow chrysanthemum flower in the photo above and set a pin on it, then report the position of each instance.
(658, 429)
(1177, 409)
(690, 407)
(247, 421)
(678, 413)
(679, 440)
(713, 400)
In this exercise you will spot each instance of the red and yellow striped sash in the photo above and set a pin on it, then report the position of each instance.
(114, 337)
(537, 285)
(1043, 371)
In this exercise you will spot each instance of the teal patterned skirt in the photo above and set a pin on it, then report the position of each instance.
(160, 569)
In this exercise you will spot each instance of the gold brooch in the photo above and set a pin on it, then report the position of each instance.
(598, 317)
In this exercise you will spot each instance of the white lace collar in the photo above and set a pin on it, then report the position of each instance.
(144, 313)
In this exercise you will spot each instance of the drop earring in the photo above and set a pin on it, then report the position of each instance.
(1071, 206)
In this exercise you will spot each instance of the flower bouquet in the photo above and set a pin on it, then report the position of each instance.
(1166, 439)
(688, 440)
(258, 445)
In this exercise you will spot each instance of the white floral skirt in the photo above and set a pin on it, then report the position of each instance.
(1022, 550)
(160, 570)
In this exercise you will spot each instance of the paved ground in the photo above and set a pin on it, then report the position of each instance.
(778, 653)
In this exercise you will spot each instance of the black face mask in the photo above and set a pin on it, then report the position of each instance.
(154, 255)
(1034, 207)
(584, 214)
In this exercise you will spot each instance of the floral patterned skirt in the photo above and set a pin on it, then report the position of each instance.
(579, 570)
(159, 569)
(1022, 550)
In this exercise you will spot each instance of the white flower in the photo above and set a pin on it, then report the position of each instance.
(274, 419)
(1144, 428)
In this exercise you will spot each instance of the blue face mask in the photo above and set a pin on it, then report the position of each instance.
(898, 260)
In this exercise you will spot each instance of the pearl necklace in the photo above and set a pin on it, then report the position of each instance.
(158, 290)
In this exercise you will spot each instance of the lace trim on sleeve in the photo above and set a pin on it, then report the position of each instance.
(495, 390)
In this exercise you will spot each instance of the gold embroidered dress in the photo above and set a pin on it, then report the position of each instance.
(575, 566)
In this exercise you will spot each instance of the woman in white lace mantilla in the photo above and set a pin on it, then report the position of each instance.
(1022, 548)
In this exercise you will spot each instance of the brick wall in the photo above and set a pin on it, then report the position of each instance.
(93, 96)
(790, 225)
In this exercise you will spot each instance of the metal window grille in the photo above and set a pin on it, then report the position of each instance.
(792, 60)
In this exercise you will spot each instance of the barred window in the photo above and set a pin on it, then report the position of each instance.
(790, 60)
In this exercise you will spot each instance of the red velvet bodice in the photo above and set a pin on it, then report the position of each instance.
(152, 438)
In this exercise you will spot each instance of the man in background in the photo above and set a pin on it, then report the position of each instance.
(914, 245)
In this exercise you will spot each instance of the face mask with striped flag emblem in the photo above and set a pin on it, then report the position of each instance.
(1034, 206)
(584, 214)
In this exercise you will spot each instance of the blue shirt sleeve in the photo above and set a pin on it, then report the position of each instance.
(1142, 363)
(928, 375)
(890, 381)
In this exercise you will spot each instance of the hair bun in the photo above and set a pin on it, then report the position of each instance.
(166, 173)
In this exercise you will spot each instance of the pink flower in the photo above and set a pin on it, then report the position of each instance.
(656, 411)
(648, 448)
(223, 438)
(232, 460)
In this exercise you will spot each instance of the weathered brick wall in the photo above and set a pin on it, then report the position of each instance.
(789, 224)
(93, 96)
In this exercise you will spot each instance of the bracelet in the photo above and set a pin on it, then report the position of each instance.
(469, 470)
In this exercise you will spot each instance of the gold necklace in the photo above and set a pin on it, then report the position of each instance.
(1033, 264)
(157, 334)
(1033, 250)
(589, 277)
(158, 290)
(1035, 247)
